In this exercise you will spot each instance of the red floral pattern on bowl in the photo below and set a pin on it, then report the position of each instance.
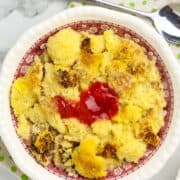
(97, 27)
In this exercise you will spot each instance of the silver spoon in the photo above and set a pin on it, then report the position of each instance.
(165, 20)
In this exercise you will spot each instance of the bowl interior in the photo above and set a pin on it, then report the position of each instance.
(97, 27)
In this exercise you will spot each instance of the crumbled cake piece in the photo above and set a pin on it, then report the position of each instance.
(64, 46)
(22, 96)
(149, 136)
(68, 79)
(24, 128)
(87, 163)
(70, 63)
(38, 127)
(44, 142)
(85, 45)
(109, 151)
(118, 78)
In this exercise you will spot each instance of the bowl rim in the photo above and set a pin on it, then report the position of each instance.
(7, 131)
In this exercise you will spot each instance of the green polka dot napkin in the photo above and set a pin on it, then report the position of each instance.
(7, 161)
(145, 5)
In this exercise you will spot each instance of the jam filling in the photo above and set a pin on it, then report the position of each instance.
(98, 102)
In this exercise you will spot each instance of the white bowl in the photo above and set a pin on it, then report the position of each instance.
(8, 134)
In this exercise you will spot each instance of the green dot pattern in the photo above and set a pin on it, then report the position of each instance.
(13, 168)
(178, 56)
(153, 10)
(71, 5)
(84, 3)
(24, 177)
(1, 158)
(144, 3)
(132, 4)
(121, 4)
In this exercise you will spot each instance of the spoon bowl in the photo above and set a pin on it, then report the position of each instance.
(168, 24)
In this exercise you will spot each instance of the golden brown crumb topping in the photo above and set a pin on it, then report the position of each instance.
(44, 142)
(109, 151)
(67, 79)
(85, 45)
(71, 62)
(149, 137)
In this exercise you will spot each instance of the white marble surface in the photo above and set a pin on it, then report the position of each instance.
(14, 24)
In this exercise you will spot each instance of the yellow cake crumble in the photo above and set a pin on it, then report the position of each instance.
(69, 64)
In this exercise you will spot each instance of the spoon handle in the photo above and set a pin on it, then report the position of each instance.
(111, 5)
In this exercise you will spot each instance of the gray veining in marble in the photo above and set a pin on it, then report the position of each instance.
(29, 8)
(16, 16)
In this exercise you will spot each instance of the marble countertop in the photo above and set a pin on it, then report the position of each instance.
(19, 17)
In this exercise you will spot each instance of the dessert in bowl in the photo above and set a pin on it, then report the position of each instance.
(91, 99)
